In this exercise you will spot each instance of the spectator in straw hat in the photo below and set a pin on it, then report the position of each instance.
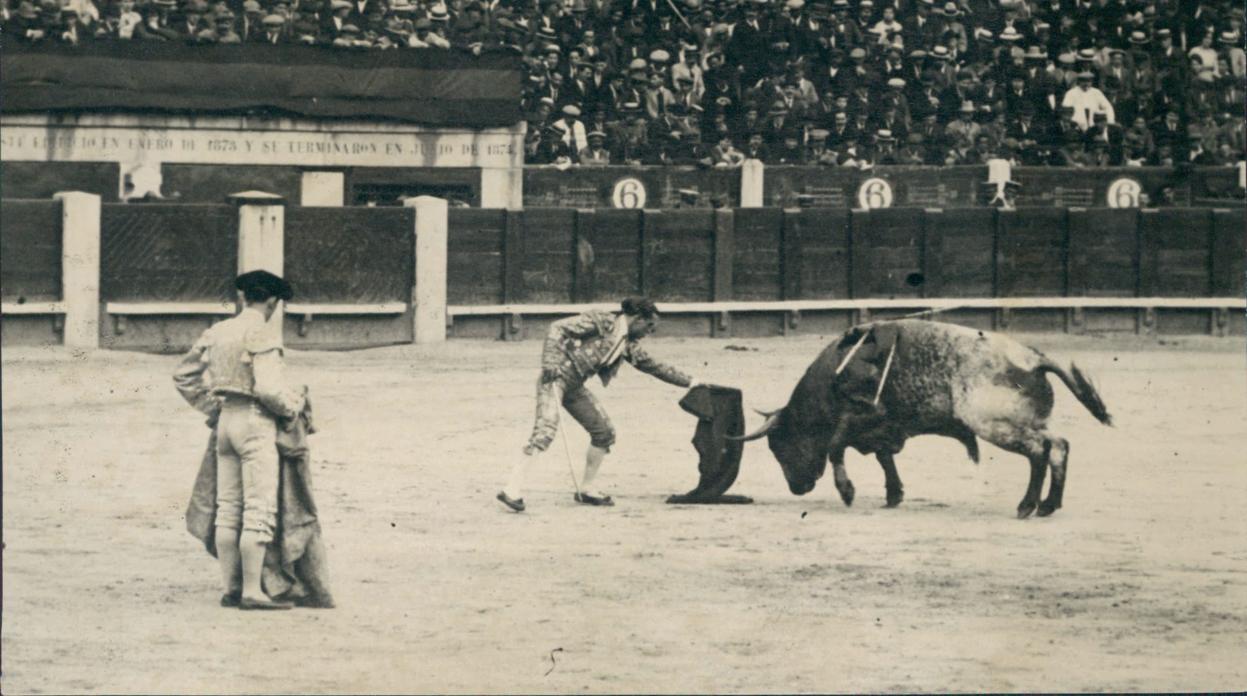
(964, 130)
(437, 38)
(884, 150)
(818, 152)
(225, 33)
(953, 31)
(573, 131)
(1168, 56)
(274, 30)
(250, 22)
(595, 154)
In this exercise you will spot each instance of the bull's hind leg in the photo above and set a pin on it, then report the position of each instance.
(1039, 467)
(1058, 459)
(1029, 442)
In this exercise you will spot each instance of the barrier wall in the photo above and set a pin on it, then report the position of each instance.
(30, 268)
(338, 255)
(185, 253)
(152, 277)
(30, 251)
(574, 257)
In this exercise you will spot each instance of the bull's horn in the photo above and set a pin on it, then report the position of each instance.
(772, 421)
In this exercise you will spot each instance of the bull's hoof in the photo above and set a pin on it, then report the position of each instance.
(1025, 508)
(1046, 508)
(846, 493)
(895, 498)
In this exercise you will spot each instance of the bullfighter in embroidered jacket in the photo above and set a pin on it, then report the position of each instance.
(576, 349)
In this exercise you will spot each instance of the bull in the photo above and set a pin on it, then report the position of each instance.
(937, 379)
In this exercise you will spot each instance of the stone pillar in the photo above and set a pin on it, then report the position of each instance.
(326, 189)
(262, 238)
(429, 294)
(751, 178)
(80, 267)
(502, 188)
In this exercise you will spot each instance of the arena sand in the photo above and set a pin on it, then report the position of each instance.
(1139, 583)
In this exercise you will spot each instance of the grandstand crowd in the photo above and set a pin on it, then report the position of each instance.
(848, 83)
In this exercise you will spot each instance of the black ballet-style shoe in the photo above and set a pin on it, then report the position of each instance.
(586, 499)
(516, 504)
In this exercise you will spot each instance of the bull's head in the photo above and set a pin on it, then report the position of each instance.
(798, 444)
(799, 434)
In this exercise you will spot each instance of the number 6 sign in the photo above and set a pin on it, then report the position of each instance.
(874, 193)
(1124, 193)
(628, 193)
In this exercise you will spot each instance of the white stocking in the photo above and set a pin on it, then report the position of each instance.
(593, 462)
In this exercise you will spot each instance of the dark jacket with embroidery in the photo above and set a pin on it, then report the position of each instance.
(578, 347)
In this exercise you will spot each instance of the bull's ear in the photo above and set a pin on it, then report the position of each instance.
(772, 422)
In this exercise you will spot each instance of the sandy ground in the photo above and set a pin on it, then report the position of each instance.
(1139, 583)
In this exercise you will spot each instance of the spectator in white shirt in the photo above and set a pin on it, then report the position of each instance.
(1207, 55)
(887, 27)
(1087, 101)
(574, 135)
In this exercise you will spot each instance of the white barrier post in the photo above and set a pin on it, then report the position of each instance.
(327, 189)
(80, 267)
(751, 180)
(429, 293)
(262, 239)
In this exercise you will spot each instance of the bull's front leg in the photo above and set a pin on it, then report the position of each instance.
(843, 484)
(892, 480)
(835, 454)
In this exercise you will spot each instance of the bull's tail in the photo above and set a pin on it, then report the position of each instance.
(1081, 387)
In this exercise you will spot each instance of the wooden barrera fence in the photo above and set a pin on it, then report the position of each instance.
(1076, 269)
(152, 277)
